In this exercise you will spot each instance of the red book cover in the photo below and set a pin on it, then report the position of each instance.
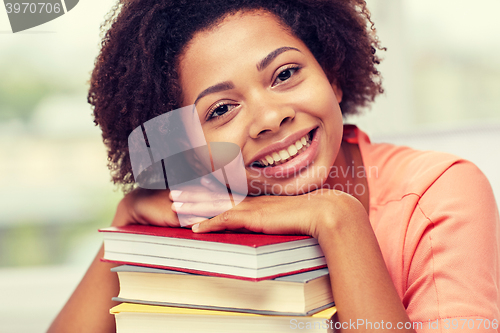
(253, 240)
(228, 237)
(194, 271)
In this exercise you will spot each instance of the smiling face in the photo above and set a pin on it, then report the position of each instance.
(257, 85)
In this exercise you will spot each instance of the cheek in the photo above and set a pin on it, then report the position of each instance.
(318, 99)
(234, 131)
(334, 133)
(225, 135)
(330, 107)
(328, 110)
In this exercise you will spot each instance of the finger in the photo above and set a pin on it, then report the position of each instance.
(224, 221)
(236, 220)
(201, 195)
(206, 208)
(212, 184)
(255, 220)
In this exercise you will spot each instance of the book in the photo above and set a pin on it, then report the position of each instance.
(298, 295)
(227, 254)
(133, 318)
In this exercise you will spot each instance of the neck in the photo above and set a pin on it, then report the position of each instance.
(349, 174)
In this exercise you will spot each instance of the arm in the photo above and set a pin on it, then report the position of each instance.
(361, 284)
(87, 310)
(453, 276)
(362, 287)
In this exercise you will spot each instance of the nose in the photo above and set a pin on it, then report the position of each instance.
(269, 115)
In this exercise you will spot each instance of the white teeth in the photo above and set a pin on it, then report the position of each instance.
(269, 159)
(292, 150)
(284, 155)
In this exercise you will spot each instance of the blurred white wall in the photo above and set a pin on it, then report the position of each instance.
(441, 69)
(441, 76)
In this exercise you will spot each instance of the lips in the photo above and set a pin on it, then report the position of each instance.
(284, 155)
(283, 150)
(289, 167)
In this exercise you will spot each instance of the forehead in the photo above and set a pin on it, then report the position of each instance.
(240, 41)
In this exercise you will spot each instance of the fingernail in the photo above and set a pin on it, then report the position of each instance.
(195, 227)
(177, 205)
(175, 194)
(206, 180)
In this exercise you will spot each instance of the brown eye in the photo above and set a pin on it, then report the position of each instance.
(221, 110)
(285, 75)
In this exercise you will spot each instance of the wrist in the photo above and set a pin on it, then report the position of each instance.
(340, 212)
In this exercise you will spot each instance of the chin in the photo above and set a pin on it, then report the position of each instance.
(296, 186)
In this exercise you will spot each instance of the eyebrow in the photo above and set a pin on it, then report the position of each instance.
(271, 56)
(228, 85)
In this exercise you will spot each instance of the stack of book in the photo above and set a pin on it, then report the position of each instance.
(177, 281)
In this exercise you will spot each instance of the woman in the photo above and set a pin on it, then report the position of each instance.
(408, 236)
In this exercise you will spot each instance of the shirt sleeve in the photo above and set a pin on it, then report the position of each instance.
(453, 280)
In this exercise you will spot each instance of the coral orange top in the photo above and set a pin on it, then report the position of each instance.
(438, 227)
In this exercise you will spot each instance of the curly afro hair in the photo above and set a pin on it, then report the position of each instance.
(135, 76)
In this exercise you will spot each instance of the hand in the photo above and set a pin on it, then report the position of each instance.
(210, 195)
(143, 206)
(153, 207)
(302, 214)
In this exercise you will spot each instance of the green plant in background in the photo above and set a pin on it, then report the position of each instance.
(37, 243)
(23, 86)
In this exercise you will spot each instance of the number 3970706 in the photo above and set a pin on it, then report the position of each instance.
(456, 323)
(27, 7)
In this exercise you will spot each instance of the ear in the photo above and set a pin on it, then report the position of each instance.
(338, 91)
